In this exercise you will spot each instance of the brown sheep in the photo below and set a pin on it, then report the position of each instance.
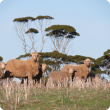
(2, 68)
(82, 70)
(60, 76)
(23, 68)
(39, 75)
(35, 57)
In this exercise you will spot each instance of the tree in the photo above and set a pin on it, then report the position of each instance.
(102, 64)
(31, 33)
(41, 27)
(79, 59)
(107, 61)
(1, 58)
(61, 35)
(23, 27)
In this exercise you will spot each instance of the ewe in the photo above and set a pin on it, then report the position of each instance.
(23, 68)
(82, 70)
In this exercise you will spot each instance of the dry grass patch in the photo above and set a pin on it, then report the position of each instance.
(78, 94)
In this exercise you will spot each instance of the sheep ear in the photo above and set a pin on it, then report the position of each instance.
(30, 55)
(38, 55)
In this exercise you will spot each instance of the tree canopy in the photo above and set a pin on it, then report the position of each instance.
(101, 64)
(1, 58)
(23, 56)
(62, 30)
(32, 30)
(43, 17)
(23, 19)
(61, 35)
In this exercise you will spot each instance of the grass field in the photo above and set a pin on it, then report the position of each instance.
(23, 97)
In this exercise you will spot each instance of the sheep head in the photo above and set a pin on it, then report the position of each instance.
(35, 56)
(71, 70)
(87, 62)
(2, 65)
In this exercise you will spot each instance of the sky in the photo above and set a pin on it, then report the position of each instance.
(90, 18)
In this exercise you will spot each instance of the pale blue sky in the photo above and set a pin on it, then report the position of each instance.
(90, 18)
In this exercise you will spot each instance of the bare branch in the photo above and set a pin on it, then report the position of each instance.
(20, 29)
(41, 27)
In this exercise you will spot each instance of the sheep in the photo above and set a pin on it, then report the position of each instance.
(2, 68)
(23, 68)
(61, 76)
(39, 75)
(82, 70)
(41, 72)
(92, 75)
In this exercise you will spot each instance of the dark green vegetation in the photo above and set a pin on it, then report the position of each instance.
(62, 99)
(102, 62)
(62, 30)
(23, 19)
(26, 19)
(1, 58)
(32, 30)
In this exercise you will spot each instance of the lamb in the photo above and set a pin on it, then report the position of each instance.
(23, 68)
(92, 75)
(41, 72)
(60, 76)
(2, 68)
(82, 70)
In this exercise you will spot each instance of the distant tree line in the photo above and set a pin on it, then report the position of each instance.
(102, 64)
(56, 61)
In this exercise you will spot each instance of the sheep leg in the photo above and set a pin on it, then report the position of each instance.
(11, 78)
(22, 81)
(30, 78)
(84, 77)
(36, 84)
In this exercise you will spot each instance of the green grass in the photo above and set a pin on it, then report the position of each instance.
(60, 99)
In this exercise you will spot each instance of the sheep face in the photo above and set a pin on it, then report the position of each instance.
(35, 56)
(87, 62)
(71, 70)
(44, 66)
(3, 65)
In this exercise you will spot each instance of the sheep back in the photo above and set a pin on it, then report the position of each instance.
(59, 76)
